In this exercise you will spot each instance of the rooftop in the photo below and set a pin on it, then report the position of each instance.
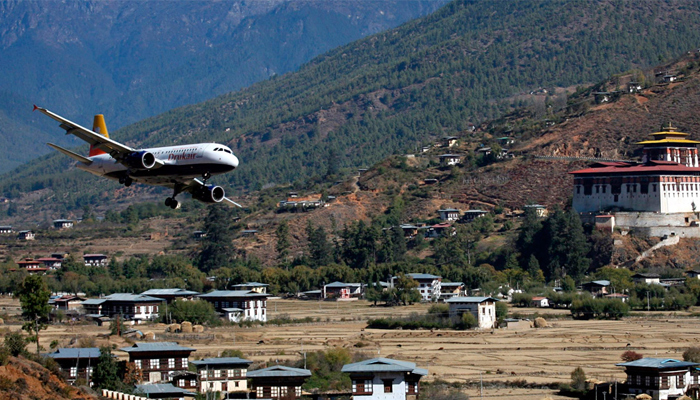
(278, 371)
(658, 363)
(232, 293)
(384, 365)
(71, 353)
(171, 292)
(221, 361)
(162, 389)
(155, 346)
(469, 299)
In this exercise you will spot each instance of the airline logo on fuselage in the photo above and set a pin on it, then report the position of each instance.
(188, 154)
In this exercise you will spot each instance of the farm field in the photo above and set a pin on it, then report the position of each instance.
(536, 355)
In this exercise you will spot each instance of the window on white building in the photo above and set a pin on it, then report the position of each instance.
(184, 363)
(217, 373)
(171, 363)
(181, 383)
(73, 372)
(137, 363)
(204, 374)
(155, 363)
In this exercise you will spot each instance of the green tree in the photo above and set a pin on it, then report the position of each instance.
(578, 379)
(15, 344)
(34, 297)
(469, 320)
(320, 249)
(692, 354)
(283, 244)
(195, 311)
(217, 250)
(105, 375)
(406, 289)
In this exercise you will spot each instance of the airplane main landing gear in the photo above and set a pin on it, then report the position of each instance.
(126, 181)
(172, 203)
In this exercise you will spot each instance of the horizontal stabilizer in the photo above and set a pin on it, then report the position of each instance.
(70, 154)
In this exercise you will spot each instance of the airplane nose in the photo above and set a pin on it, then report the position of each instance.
(234, 161)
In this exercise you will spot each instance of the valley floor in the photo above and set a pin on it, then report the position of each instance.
(538, 356)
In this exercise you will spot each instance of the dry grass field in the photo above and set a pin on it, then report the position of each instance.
(535, 355)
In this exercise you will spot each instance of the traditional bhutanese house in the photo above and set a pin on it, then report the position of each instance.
(170, 295)
(93, 307)
(25, 235)
(450, 159)
(451, 289)
(256, 287)
(429, 286)
(471, 215)
(597, 288)
(278, 382)
(618, 296)
(63, 223)
(449, 214)
(76, 363)
(342, 290)
(223, 374)
(159, 361)
(252, 304)
(540, 302)
(198, 235)
(95, 260)
(646, 278)
(186, 380)
(437, 230)
(162, 391)
(134, 307)
(384, 378)
(449, 141)
(482, 308)
(505, 141)
(605, 223)
(666, 181)
(409, 230)
(695, 274)
(660, 378)
(51, 262)
(32, 266)
(249, 232)
(540, 210)
(67, 302)
(5, 229)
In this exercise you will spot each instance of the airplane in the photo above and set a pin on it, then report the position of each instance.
(176, 167)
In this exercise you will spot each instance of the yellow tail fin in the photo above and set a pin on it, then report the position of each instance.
(98, 126)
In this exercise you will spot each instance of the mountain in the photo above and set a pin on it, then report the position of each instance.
(132, 60)
(397, 90)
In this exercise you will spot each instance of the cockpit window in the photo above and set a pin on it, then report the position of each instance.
(228, 151)
(217, 149)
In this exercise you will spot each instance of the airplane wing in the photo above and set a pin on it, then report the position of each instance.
(95, 139)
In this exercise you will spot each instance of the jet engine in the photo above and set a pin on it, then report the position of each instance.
(140, 160)
(209, 194)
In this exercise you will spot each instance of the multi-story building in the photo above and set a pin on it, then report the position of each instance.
(482, 308)
(95, 260)
(133, 307)
(429, 286)
(660, 378)
(384, 379)
(252, 305)
(159, 361)
(170, 295)
(223, 374)
(76, 363)
(278, 382)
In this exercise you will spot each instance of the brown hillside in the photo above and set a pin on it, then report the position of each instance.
(24, 379)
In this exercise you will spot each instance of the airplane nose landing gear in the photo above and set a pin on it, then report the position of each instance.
(126, 181)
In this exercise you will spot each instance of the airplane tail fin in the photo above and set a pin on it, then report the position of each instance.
(98, 126)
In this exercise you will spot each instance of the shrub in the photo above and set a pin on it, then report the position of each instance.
(578, 379)
(630, 355)
(469, 320)
(692, 354)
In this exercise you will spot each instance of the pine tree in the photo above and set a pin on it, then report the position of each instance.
(34, 297)
(283, 244)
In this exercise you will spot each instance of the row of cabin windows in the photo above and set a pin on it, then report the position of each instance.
(181, 383)
(219, 373)
(653, 381)
(643, 188)
(238, 304)
(135, 310)
(154, 363)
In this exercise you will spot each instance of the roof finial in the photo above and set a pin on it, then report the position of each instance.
(670, 127)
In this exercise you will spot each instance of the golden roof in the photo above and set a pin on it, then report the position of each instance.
(669, 141)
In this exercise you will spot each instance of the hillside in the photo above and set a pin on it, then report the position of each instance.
(131, 61)
(397, 90)
(24, 379)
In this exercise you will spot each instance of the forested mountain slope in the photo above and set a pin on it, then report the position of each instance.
(132, 60)
(397, 90)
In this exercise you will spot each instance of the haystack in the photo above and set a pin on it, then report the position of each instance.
(643, 396)
(149, 335)
(198, 328)
(186, 327)
(173, 328)
(540, 322)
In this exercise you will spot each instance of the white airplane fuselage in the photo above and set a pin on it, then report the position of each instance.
(179, 162)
